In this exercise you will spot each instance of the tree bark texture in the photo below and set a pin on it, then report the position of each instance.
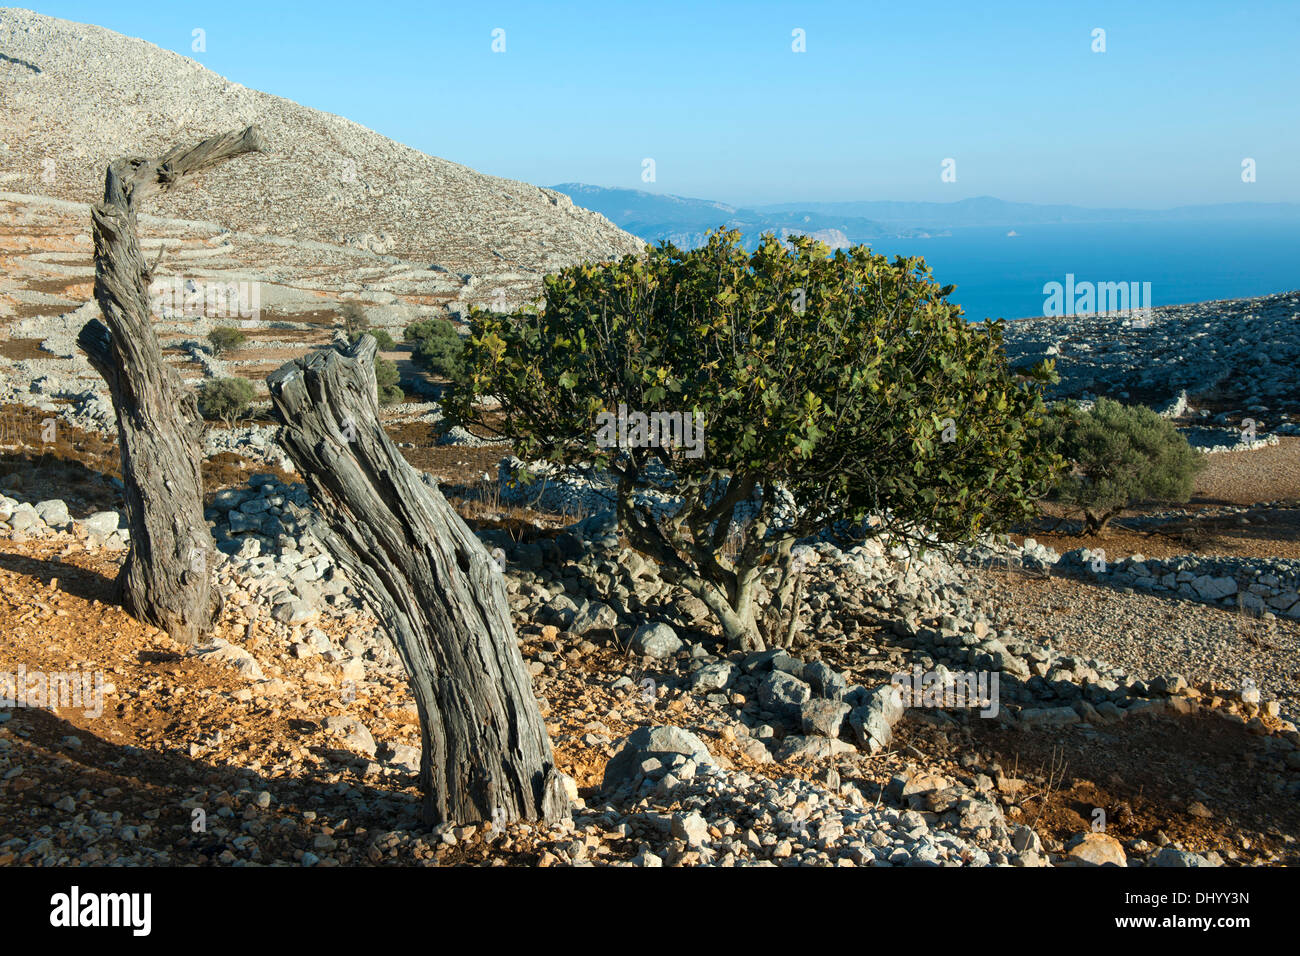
(166, 578)
(433, 585)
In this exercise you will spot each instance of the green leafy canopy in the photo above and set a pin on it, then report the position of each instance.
(832, 374)
(1121, 454)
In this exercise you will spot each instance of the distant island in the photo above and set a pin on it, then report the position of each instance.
(685, 222)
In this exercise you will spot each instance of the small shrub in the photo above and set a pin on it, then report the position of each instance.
(224, 338)
(386, 378)
(227, 399)
(437, 347)
(1122, 454)
(354, 318)
(382, 339)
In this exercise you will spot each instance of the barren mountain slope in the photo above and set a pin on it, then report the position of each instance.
(73, 96)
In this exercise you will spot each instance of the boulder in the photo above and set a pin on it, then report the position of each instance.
(1097, 849)
(241, 522)
(353, 732)
(690, 827)
(26, 520)
(714, 677)
(783, 693)
(559, 611)
(753, 748)
(823, 717)
(918, 786)
(690, 609)
(653, 742)
(873, 721)
(797, 748)
(403, 756)
(594, 616)
(1011, 664)
(221, 651)
(825, 680)
(656, 640)
(761, 662)
(294, 612)
(1212, 589)
(102, 523)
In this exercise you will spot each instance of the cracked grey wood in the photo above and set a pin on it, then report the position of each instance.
(435, 588)
(165, 579)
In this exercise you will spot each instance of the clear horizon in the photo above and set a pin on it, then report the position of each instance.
(855, 199)
(1016, 95)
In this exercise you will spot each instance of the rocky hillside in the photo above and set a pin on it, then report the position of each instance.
(1234, 357)
(75, 96)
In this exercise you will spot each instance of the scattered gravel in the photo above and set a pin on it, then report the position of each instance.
(1149, 635)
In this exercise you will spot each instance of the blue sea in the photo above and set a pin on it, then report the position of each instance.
(997, 275)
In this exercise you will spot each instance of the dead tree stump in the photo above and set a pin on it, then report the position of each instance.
(437, 591)
(166, 578)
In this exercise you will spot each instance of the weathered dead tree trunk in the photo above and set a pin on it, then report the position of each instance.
(165, 579)
(435, 588)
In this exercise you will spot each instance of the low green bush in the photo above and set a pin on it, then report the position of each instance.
(1122, 454)
(224, 338)
(437, 347)
(226, 399)
(386, 378)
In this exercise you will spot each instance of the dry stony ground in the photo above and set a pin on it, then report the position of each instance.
(1245, 504)
(181, 734)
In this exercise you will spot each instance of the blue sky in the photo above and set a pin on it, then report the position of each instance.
(714, 94)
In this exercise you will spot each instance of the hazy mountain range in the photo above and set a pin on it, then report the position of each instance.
(685, 222)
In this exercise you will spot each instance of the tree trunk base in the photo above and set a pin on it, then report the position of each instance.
(432, 584)
(166, 580)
